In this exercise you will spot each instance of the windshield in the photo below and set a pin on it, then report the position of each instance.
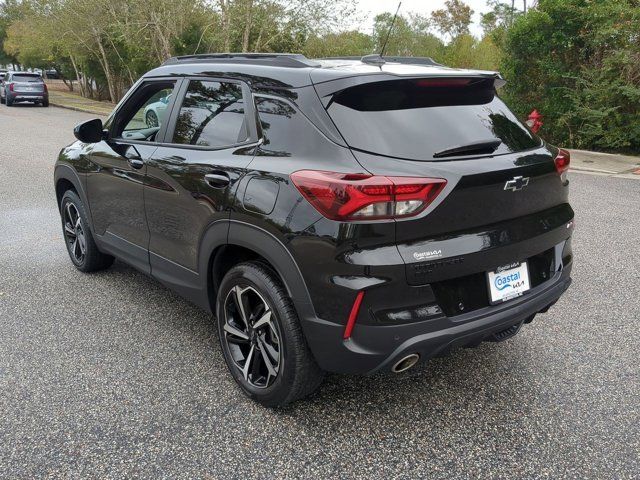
(421, 119)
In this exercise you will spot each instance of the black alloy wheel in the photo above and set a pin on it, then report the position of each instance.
(82, 248)
(74, 233)
(261, 337)
(252, 336)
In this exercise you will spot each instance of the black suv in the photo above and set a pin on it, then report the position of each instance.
(337, 215)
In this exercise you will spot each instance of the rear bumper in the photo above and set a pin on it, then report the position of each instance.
(28, 96)
(374, 348)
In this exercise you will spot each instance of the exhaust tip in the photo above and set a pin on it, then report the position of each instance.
(405, 363)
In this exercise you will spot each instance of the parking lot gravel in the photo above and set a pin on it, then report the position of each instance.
(111, 375)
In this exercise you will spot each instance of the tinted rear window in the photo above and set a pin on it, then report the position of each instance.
(26, 78)
(415, 119)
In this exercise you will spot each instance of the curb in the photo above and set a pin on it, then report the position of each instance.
(77, 109)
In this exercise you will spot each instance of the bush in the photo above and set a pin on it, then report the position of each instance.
(577, 62)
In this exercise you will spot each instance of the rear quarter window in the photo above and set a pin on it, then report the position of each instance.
(414, 119)
(281, 126)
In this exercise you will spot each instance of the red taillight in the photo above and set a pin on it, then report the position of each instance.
(355, 309)
(45, 87)
(352, 197)
(11, 87)
(562, 161)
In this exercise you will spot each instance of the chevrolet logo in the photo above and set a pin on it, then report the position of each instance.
(516, 183)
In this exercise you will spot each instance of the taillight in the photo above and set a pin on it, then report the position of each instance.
(11, 87)
(45, 87)
(353, 197)
(562, 161)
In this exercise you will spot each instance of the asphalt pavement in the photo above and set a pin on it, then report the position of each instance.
(111, 375)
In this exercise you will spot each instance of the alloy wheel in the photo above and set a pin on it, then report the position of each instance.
(251, 336)
(74, 233)
(151, 119)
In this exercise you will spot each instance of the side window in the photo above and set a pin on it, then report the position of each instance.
(145, 112)
(211, 115)
(279, 128)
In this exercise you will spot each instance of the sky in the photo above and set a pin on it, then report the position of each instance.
(374, 7)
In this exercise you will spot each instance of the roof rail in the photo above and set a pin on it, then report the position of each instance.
(376, 59)
(293, 60)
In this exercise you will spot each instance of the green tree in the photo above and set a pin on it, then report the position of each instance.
(454, 20)
(339, 44)
(501, 16)
(410, 36)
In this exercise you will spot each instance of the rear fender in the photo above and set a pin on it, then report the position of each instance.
(273, 250)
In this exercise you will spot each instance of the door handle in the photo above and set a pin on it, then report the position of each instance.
(134, 158)
(217, 179)
(136, 163)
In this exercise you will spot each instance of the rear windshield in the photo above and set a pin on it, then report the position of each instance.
(429, 119)
(26, 78)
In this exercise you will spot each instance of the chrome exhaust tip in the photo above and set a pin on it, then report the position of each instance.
(405, 363)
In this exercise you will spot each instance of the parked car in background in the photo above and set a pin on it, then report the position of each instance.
(154, 112)
(24, 87)
(52, 73)
(340, 215)
(3, 73)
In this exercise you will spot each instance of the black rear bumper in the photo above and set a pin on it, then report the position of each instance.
(377, 348)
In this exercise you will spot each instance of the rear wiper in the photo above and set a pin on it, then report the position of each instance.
(479, 148)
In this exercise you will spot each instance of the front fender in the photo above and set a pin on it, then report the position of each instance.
(67, 172)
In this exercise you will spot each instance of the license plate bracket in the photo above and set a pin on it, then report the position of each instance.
(508, 282)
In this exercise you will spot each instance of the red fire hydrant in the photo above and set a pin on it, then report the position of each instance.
(534, 121)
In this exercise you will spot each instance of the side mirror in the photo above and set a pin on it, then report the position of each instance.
(89, 131)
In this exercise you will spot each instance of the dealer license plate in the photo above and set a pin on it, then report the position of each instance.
(509, 281)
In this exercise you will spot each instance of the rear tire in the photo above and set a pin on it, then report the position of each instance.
(9, 101)
(271, 362)
(45, 103)
(82, 249)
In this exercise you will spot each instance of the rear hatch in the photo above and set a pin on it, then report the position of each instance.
(502, 183)
(27, 83)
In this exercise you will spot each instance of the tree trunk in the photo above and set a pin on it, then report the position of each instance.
(226, 25)
(258, 40)
(75, 69)
(68, 83)
(104, 62)
(248, 20)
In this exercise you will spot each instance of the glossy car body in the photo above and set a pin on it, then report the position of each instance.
(186, 214)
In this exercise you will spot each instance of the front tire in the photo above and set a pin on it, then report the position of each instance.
(261, 337)
(81, 247)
